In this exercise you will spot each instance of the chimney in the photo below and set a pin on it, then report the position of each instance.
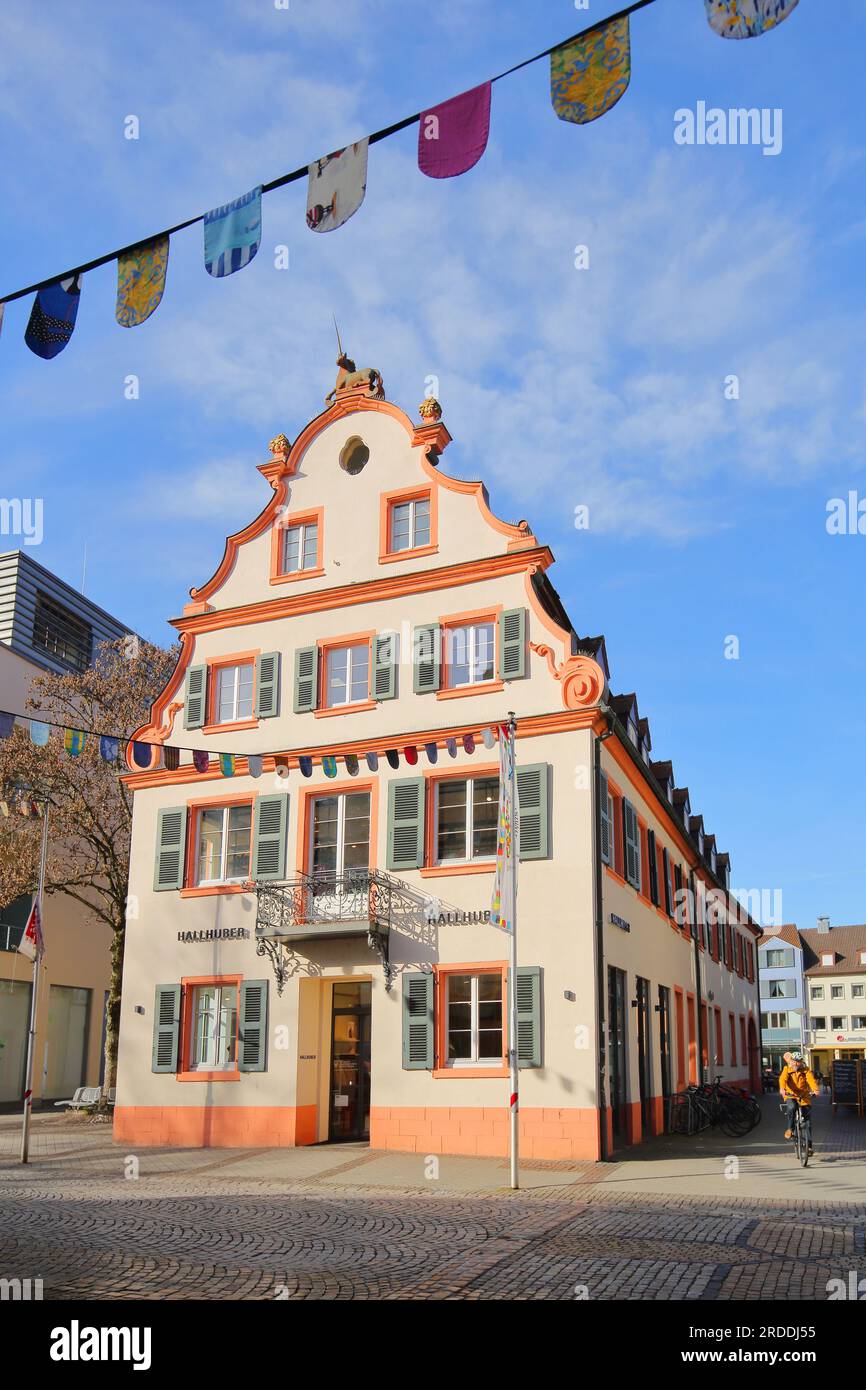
(823, 925)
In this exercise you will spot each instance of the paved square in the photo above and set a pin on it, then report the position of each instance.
(347, 1222)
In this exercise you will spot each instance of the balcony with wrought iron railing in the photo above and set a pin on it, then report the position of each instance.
(355, 903)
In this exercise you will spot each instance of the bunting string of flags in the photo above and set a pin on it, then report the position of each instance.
(589, 74)
(110, 747)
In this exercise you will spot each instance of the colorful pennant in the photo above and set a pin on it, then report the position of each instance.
(305, 763)
(488, 737)
(227, 764)
(39, 733)
(746, 19)
(232, 234)
(108, 748)
(254, 764)
(329, 765)
(372, 761)
(171, 759)
(432, 752)
(452, 137)
(200, 760)
(589, 76)
(351, 762)
(336, 187)
(52, 317)
(7, 724)
(74, 741)
(140, 281)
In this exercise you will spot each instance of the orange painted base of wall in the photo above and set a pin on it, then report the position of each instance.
(544, 1133)
(215, 1126)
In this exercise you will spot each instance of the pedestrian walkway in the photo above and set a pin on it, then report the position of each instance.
(762, 1165)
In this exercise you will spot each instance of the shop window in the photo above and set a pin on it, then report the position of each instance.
(214, 1027)
(474, 1019)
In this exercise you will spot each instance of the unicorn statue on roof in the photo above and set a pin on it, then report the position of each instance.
(366, 382)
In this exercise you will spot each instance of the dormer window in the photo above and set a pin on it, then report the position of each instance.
(828, 958)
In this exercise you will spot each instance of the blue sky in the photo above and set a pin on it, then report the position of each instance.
(602, 387)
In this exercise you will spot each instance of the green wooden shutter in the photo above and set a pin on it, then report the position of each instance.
(533, 796)
(417, 1021)
(385, 655)
(269, 840)
(606, 823)
(631, 842)
(512, 644)
(267, 685)
(306, 679)
(196, 697)
(426, 657)
(253, 1026)
(170, 846)
(666, 870)
(528, 1016)
(406, 823)
(653, 867)
(166, 1027)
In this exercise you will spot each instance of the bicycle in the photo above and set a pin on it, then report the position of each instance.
(802, 1131)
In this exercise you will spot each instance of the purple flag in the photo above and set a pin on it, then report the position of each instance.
(452, 137)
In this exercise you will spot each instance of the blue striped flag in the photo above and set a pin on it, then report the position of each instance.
(232, 234)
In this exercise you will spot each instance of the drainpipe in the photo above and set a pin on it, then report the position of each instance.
(600, 983)
(696, 928)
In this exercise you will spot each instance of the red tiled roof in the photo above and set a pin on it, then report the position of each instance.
(787, 933)
(846, 943)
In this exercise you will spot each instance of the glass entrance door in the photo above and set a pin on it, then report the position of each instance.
(664, 1012)
(350, 1061)
(616, 1048)
(644, 1054)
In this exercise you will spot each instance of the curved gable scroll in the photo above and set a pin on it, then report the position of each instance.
(285, 461)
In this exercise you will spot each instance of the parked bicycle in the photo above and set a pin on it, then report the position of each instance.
(716, 1103)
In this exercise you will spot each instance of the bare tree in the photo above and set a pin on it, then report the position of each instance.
(91, 808)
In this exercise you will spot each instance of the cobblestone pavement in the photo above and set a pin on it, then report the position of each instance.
(230, 1224)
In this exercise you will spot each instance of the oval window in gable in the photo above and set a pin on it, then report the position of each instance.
(353, 455)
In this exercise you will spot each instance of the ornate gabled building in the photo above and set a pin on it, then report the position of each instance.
(311, 955)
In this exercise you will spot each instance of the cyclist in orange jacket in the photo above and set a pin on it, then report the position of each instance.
(795, 1083)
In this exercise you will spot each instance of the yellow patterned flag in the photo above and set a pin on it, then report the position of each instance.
(140, 281)
(589, 76)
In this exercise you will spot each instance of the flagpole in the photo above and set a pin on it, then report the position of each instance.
(512, 974)
(37, 960)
